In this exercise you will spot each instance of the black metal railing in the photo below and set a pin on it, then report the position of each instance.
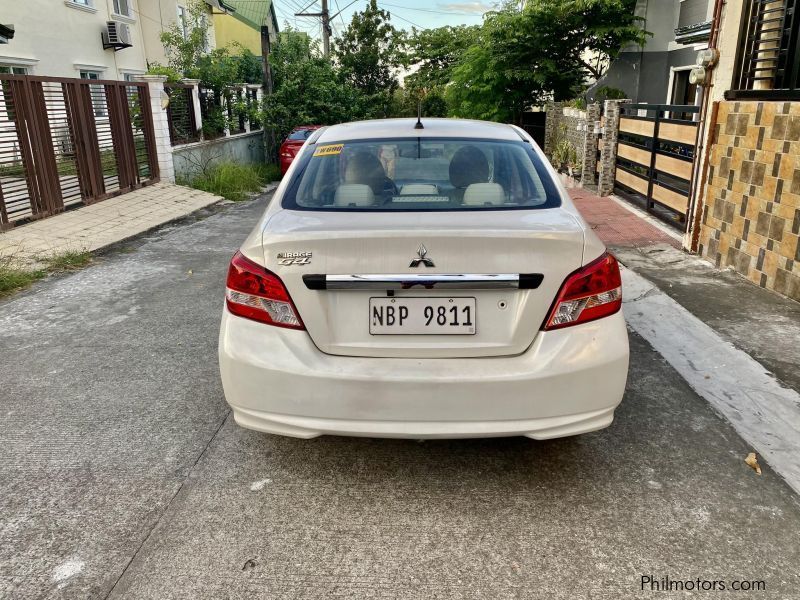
(768, 60)
(180, 114)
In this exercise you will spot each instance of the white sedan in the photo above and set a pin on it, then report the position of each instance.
(423, 282)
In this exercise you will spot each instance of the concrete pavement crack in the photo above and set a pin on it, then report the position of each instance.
(168, 505)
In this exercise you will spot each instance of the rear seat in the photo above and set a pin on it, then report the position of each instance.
(354, 195)
(484, 194)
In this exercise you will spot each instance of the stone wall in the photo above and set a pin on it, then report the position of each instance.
(751, 218)
(577, 127)
(608, 147)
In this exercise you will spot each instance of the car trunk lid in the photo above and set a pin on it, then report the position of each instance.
(508, 267)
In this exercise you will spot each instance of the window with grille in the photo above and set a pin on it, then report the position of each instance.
(768, 62)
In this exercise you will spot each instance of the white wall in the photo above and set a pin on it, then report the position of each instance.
(59, 38)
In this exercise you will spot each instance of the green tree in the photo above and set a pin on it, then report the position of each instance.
(185, 43)
(307, 89)
(369, 53)
(435, 52)
(549, 48)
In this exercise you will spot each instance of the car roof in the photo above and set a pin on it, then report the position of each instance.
(433, 128)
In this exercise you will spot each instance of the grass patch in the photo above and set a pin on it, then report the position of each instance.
(234, 181)
(13, 278)
(71, 260)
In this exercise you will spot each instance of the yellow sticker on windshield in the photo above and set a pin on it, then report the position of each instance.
(328, 150)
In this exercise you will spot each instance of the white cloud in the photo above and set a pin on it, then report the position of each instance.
(477, 8)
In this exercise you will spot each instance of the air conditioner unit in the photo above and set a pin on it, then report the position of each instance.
(117, 36)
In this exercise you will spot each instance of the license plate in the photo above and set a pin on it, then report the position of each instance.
(422, 316)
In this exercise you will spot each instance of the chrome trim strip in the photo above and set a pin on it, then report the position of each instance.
(462, 281)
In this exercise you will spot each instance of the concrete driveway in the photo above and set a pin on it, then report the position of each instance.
(122, 474)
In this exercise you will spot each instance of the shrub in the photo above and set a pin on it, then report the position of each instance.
(234, 181)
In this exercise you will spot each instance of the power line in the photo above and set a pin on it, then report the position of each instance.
(312, 3)
(437, 12)
(339, 13)
(404, 19)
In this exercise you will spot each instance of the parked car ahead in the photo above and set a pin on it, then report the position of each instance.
(423, 283)
(292, 144)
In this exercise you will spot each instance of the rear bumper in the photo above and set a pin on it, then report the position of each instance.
(568, 382)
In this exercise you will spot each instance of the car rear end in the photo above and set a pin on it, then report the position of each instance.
(446, 288)
(292, 145)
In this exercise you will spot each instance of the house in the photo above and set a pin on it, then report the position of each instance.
(243, 23)
(72, 38)
(747, 206)
(658, 73)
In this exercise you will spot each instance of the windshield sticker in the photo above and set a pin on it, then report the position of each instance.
(329, 150)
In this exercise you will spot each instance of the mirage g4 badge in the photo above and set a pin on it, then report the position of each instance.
(422, 252)
(294, 258)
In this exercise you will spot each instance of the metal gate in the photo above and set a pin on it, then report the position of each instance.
(655, 154)
(70, 141)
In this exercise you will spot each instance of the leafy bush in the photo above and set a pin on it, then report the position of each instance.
(606, 92)
(234, 181)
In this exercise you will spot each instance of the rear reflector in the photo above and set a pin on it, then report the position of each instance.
(590, 293)
(255, 293)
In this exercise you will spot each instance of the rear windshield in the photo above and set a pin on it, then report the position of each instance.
(300, 134)
(421, 174)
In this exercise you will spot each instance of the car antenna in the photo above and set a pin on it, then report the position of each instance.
(418, 124)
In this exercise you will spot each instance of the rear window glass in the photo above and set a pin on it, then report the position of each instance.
(300, 134)
(421, 174)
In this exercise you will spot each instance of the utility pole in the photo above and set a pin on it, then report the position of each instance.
(325, 15)
(266, 46)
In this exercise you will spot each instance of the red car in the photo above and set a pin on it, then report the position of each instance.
(292, 144)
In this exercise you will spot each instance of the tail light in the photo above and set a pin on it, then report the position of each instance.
(591, 292)
(255, 293)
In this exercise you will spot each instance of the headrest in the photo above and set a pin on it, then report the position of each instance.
(365, 168)
(484, 194)
(354, 194)
(468, 165)
(419, 189)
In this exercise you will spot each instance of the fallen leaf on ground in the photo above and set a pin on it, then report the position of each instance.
(752, 462)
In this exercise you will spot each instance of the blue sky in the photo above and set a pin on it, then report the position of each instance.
(405, 13)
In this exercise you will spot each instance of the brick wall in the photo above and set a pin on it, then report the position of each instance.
(751, 218)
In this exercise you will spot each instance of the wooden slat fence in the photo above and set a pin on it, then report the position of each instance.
(70, 141)
(655, 153)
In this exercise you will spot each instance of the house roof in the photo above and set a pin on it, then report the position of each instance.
(254, 13)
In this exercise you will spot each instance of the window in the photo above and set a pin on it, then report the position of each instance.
(768, 60)
(300, 134)
(421, 174)
(183, 22)
(122, 7)
(83, 2)
(12, 70)
(98, 93)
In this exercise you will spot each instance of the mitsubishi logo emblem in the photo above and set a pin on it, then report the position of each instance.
(422, 252)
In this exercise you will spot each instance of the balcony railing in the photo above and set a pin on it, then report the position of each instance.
(768, 60)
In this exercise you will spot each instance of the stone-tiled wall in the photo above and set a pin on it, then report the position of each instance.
(751, 217)
(583, 140)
